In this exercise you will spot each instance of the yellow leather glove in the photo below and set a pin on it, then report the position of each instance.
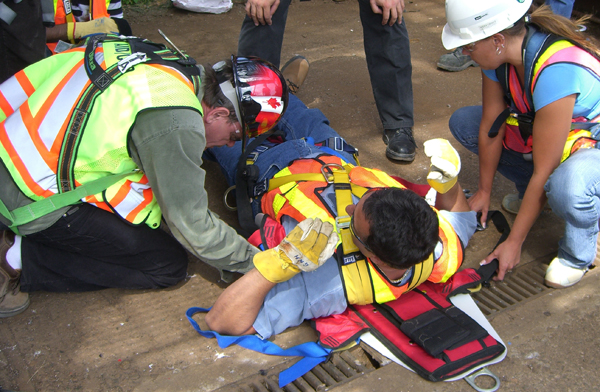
(445, 164)
(305, 248)
(96, 26)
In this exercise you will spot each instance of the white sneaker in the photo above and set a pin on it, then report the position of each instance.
(560, 276)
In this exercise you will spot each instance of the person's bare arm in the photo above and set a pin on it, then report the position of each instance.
(490, 149)
(237, 307)
(454, 200)
(550, 131)
(56, 33)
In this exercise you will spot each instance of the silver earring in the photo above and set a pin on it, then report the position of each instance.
(498, 51)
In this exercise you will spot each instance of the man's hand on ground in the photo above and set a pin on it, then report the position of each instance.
(305, 248)
(261, 11)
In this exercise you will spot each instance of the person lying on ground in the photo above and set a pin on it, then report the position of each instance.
(396, 239)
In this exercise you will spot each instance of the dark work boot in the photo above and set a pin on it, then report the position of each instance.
(401, 145)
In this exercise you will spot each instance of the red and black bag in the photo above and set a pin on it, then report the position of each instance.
(433, 337)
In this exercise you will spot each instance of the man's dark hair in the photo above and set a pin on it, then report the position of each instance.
(404, 229)
(213, 96)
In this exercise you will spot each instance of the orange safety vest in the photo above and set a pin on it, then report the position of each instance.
(559, 51)
(363, 281)
(63, 12)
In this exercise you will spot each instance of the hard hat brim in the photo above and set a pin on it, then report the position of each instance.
(452, 41)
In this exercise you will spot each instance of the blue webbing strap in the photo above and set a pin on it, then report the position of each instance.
(312, 353)
(326, 149)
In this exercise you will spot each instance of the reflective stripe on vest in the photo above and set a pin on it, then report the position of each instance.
(99, 9)
(559, 52)
(363, 283)
(37, 105)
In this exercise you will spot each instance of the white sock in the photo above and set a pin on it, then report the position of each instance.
(13, 256)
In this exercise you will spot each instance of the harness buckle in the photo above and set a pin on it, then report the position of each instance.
(342, 222)
(327, 176)
(252, 157)
(260, 188)
(131, 60)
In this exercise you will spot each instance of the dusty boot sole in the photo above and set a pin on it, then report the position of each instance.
(15, 311)
(399, 157)
(450, 68)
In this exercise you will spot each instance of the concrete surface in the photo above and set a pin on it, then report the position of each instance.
(117, 340)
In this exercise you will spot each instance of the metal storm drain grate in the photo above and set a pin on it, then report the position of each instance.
(342, 367)
(523, 284)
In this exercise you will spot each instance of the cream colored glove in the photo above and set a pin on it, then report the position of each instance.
(96, 26)
(445, 164)
(305, 248)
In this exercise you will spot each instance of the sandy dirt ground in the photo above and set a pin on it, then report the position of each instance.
(117, 340)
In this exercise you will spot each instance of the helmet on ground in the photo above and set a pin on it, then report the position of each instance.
(473, 20)
(262, 94)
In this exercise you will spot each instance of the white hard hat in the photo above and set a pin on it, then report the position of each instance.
(472, 20)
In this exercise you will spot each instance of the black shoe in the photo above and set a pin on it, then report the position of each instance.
(401, 145)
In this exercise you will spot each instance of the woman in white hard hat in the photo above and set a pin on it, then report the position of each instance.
(537, 125)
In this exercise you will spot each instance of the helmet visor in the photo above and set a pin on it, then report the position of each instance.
(262, 94)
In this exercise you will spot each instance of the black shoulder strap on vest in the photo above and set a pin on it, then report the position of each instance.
(143, 51)
(245, 179)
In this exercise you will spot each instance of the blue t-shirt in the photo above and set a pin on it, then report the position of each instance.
(563, 79)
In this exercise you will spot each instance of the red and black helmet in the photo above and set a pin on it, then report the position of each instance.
(262, 94)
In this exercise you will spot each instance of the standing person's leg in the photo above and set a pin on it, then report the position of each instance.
(89, 249)
(561, 7)
(573, 192)
(464, 126)
(387, 51)
(264, 41)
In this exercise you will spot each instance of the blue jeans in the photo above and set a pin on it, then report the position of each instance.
(573, 189)
(561, 7)
(464, 125)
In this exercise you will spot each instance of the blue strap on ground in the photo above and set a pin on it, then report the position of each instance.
(312, 353)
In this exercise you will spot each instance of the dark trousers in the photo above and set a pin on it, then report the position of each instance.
(264, 41)
(90, 249)
(386, 48)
